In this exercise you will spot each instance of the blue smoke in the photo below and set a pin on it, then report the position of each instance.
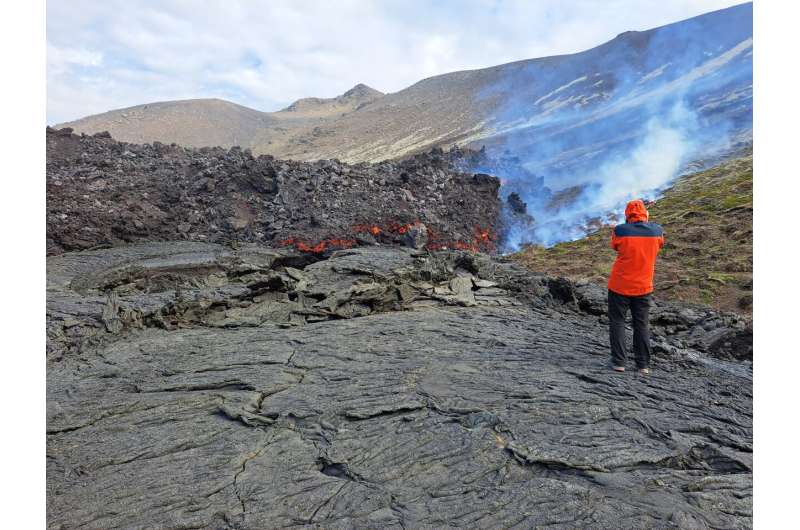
(587, 132)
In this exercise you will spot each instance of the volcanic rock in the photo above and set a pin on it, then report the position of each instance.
(416, 236)
(200, 385)
(516, 204)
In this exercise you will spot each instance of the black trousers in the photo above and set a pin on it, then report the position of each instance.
(618, 306)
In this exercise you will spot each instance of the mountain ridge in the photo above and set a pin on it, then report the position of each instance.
(523, 100)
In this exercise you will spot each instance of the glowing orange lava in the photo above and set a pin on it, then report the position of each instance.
(483, 239)
(317, 248)
(372, 229)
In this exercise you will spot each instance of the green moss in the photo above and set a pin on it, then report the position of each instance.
(735, 201)
(720, 277)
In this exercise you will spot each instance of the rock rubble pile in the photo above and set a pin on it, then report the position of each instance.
(103, 193)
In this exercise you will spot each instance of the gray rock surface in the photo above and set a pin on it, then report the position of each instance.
(192, 385)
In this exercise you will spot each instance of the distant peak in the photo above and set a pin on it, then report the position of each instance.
(350, 100)
(361, 90)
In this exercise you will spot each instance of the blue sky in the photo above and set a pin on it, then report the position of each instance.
(110, 54)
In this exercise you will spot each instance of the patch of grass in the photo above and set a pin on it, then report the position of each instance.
(603, 269)
(707, 296)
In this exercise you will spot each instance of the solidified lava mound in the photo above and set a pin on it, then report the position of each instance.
(103, 193)
(192, 385)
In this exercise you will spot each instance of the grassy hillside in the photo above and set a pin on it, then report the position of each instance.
(708, 255)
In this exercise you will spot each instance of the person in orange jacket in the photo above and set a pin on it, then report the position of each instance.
(630, 285)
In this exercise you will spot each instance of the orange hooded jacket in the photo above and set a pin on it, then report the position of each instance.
(637, 243)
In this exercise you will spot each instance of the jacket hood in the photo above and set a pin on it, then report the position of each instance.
(636, 212)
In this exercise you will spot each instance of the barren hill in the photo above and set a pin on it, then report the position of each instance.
(191, 122)
(216, 122)
(566, 108)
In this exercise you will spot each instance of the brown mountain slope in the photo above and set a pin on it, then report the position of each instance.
(192, 122)
(440, 110)
(584, 103)
(708, 255)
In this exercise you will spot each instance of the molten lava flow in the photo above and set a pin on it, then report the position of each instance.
(392, 227)
(397, 228)
(372, 229)
(483, 240)
(318, 248)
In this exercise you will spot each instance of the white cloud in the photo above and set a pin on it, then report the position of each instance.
(115, 53)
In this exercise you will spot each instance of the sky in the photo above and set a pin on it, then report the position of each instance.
(110, 54)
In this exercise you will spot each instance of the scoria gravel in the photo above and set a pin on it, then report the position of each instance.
(197, 385)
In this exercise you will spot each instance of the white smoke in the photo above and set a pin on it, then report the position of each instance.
(640, 172)
(650, 166)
